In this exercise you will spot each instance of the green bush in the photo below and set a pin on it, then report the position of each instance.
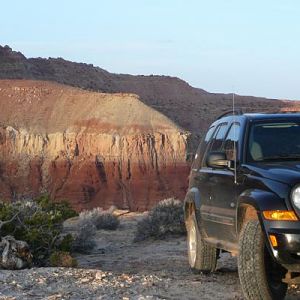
(39, 222)
(62, 209)
(65, 243)
(165, 219)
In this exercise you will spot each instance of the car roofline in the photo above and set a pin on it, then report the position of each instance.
(238, 113)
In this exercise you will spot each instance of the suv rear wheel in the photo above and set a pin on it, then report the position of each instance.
(202, 256)
(260, 276)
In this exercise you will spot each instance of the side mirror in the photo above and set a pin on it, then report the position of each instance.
(217, 160)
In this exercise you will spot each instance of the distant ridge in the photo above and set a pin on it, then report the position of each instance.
(191, 108)
(80, 133)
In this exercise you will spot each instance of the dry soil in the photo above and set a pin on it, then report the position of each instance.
(119, 268)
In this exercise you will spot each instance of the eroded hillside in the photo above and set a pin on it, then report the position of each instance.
(191, 108)
(115, 139)
(94, 149)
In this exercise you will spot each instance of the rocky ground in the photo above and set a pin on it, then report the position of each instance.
(118, 268)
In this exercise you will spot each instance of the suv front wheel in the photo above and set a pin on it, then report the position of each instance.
(260, 276)
(202, 256)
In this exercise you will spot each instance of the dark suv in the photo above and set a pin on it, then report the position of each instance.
(244, 198)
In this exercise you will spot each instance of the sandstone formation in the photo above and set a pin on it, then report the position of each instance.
(191, 108)
(94, 149)
(114, 139)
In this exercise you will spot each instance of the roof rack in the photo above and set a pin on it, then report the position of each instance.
(275, 112)
(283, 112)
(235, 112)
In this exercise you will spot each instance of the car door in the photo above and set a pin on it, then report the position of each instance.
(223, 191)
(200, 178)
(205, 183)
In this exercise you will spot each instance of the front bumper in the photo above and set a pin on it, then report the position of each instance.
(287, 234)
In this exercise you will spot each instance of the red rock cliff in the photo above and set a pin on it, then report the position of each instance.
(191, 108)
(91, 148)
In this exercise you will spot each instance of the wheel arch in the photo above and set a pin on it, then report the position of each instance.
(192, 202)
(251, 203)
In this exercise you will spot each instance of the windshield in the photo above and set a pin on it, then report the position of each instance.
(274, 141)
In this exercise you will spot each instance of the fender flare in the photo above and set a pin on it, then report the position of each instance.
(261, 200)
(193, 196)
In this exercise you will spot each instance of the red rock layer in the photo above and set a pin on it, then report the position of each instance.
(90, 148)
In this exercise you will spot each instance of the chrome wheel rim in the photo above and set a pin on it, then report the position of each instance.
(192, 244)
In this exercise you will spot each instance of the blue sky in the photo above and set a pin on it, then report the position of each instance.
(249, 47)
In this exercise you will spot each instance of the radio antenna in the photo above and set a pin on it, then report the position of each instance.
(234, 141)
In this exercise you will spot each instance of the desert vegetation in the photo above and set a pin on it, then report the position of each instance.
(100, 218)
(165, 219)
(89, 222)
(32, 232)
(116, 267)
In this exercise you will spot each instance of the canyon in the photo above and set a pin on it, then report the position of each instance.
(80, 133)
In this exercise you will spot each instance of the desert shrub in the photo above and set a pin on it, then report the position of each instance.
(84, 238)
(65, 242)
(62, 208)
(165, 219)
(39, 222)
(85, 229)
(62, 259)
(107, 221)
(99, 218)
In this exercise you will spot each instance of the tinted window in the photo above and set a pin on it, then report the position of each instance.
(209, 134)
(274, 141)
(231, 141)
(218, 138)
(202, 147)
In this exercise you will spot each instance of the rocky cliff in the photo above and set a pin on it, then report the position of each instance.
(115, 139)
(94, 149)
(191, 108)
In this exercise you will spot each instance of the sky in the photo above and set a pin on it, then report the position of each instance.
(246, 47)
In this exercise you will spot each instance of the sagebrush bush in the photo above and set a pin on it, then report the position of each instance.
(39, 222)
(84, 238)
(166, 218)
(99, 218)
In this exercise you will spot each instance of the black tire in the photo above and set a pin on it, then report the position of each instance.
(202, 256)
(260, 276)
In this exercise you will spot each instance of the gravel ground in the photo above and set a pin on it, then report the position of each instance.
(121, 269)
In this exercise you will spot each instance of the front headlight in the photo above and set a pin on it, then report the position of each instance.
(296, 196)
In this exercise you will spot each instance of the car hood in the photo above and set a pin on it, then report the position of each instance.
(285, 172)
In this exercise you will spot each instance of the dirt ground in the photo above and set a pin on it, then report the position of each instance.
(118, 268)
